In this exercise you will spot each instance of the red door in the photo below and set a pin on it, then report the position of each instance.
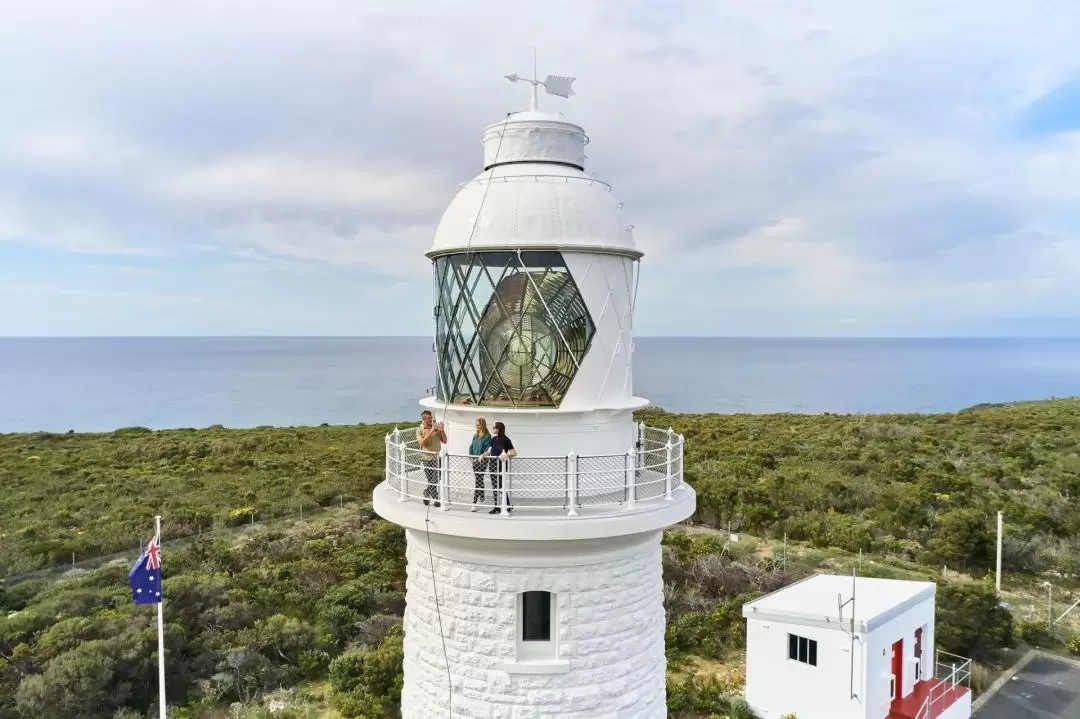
(897, 671)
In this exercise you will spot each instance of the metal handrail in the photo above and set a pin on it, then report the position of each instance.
(535, 176)
(651, 470)
(958, 675)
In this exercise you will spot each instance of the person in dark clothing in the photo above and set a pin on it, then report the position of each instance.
(501, 449)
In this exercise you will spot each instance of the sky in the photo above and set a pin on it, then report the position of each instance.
(791, 167)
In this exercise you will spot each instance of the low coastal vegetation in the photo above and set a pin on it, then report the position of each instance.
(298, 619)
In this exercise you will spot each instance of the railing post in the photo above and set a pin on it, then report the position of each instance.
(444, 480)
(403, 472)
(571, 484)
(631, 477)
(504, 467)
(388, 443)
(681, 460)
(670, 469)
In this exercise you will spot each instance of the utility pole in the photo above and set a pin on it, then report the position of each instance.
(997, 581)
(1049, 607)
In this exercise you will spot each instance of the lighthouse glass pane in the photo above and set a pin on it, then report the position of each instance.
(511, 328)
(536, 617)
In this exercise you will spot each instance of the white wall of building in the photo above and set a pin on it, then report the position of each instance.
(606, 283)
(776, 685)
(608, 656)
(879, 655)
(822, 692)
(961, 709)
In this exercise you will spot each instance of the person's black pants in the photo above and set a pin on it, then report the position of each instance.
(480, 468)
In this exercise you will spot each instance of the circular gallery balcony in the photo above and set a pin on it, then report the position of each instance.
(557, 497)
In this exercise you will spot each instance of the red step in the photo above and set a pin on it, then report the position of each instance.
(945, 695)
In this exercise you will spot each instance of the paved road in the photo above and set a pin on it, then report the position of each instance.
(1044, 689)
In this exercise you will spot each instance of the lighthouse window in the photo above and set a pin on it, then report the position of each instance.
(536, 617)
(511, 328)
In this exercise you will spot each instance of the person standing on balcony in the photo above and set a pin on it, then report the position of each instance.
(430, 436)
(501, 450)
(481, 443)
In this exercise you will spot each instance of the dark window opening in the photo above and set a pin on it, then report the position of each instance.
(536, 617)
(803, 650)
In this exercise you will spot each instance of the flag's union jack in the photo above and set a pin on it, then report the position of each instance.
(145, 574)
(153, 554)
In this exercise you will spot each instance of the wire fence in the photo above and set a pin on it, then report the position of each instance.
(1054, 608)
(304, 511)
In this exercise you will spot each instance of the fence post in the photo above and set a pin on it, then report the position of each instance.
(670, 469)
(403, 479)
(504, 469)
(571, 484)
(444, 479)
(387, 474)
(631, 476)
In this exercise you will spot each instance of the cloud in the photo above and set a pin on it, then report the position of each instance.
(309, 185)
(392, 253)
(811, 167)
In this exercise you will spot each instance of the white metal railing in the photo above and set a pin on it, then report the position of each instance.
(535, 177)
(649, 471)
(951, 678)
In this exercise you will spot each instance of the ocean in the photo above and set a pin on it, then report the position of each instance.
(103, 384)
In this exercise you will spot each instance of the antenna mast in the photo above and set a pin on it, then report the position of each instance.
(559, 85)
(851, 650)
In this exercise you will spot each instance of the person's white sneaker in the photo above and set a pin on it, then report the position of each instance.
(472, 508)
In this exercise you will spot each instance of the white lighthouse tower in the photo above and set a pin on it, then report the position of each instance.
(553, 609)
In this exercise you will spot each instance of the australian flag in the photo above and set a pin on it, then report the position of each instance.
(145, 575)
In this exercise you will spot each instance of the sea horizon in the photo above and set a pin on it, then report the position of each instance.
(636, 337)
(99, 384)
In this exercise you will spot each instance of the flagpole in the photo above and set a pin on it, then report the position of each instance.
(160, 635)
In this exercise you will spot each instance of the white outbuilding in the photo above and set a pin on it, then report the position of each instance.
(841, 647)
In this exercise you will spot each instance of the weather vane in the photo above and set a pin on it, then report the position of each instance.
(553, 84)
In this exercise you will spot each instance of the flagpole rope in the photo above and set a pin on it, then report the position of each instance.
(438, 613)
(468, 245)
(446, 404)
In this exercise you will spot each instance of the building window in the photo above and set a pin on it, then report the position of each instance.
(511, 328)
(536, 617)
(803, 650)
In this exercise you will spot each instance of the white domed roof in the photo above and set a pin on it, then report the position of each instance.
(534, 194)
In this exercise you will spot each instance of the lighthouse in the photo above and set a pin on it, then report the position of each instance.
(534, 584)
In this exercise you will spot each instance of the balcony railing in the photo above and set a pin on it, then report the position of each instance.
(952, 678)
(650, 471)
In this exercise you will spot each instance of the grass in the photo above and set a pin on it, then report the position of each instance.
(898, 496)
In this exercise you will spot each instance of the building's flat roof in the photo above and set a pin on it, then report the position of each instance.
(814, 600)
